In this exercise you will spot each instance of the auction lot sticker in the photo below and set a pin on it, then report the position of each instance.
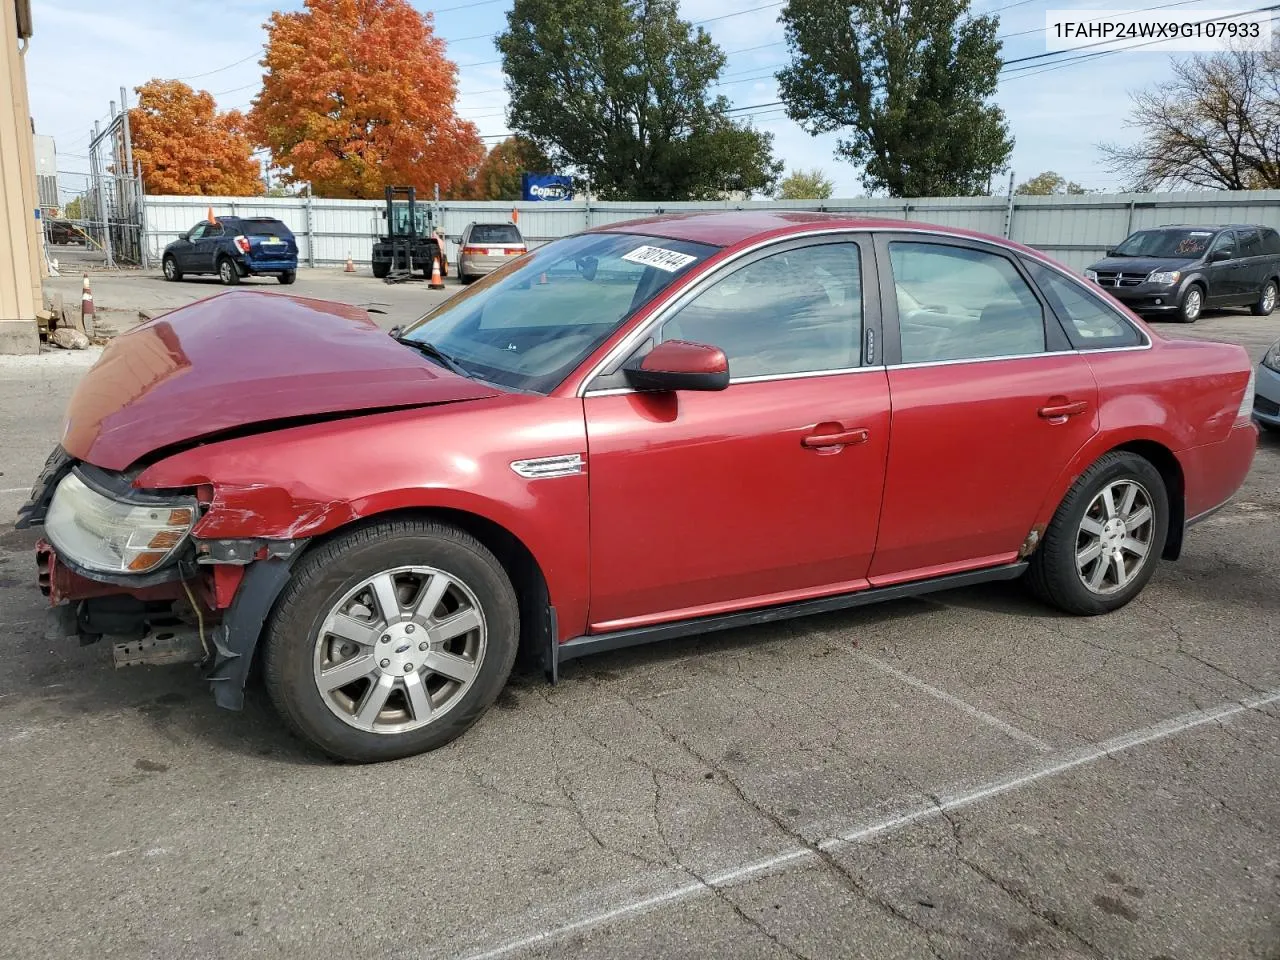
(668, 260)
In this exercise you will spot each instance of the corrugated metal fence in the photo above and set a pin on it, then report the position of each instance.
(1074, 230)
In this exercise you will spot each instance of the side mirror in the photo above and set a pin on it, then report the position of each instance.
(1111, 251)
(185, 235)
(1217, 256)
(680, 365)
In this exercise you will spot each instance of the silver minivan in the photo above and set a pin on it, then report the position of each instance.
(487, 246)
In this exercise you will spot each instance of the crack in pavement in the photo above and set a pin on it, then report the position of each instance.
(1020, 897)
(1172, 625)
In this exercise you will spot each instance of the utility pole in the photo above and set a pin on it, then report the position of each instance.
(95, 165)
(1008, 213)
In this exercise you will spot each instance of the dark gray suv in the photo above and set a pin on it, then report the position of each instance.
(1178, 271)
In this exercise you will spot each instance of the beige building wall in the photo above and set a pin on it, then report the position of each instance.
(20, 265)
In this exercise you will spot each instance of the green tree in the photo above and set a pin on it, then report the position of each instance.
(618, 90)
(74, 209)
(908, 84)
(1047, 184)
(805, 185)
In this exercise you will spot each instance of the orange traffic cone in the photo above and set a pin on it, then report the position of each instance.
(436, 282)
(350, 267)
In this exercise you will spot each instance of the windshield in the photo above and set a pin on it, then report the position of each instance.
(1166, 243)
(400, 222)
(530, 323)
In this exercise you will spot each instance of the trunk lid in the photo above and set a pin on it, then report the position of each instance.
(243, 358)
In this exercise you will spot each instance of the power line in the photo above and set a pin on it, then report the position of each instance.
(237, 63)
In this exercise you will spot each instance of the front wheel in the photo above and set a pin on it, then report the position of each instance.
(1266, 300)
(228, 274)
(287, 276)
(391, 640)
(171, 271)
(1103, 543)
(381, 268)
(1191, 305)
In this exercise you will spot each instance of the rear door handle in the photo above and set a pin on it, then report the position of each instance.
(1060, 411)
(843, 438)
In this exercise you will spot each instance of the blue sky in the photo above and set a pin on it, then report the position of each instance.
(83, 52)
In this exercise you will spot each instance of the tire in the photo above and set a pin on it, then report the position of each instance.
(1054, 575)
(465, 280)
(1266, 300)
(381, 268)
(228, 272)
(299, 644)
(1191, 304)
(287, 276)
(172, 272)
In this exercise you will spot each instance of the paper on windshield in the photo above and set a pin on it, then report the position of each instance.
(668, 260)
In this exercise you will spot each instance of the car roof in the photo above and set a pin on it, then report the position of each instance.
(1206, 226)
(732, 227)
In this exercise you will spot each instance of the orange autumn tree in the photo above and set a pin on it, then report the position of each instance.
(185, 146)
(358, 94)
(498, 176)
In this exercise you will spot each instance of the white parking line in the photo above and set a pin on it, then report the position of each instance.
(982, 715)
(26, 489)
(1048, 767)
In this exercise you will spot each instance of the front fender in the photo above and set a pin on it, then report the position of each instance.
(311, 480)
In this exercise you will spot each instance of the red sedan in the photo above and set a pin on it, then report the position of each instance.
(658, 428)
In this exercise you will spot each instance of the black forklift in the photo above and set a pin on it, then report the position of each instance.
(409, 245)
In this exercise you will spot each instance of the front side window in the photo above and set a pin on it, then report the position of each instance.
(1225, 243)
(198, 230)
(1092, 325)
(1169, 242)
(796, 311)
(958, 303)
(530, 323)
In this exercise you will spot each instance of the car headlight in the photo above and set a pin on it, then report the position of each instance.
(1164, 277)
(1091, 275)
(1272, 357)
(109, 535)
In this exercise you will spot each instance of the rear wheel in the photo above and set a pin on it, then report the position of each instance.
(1266, 300)
(287, 276)
(1191, 305)
(228, 274)
(1103, 543)
(171, 270)
(391, 640)
(381, 268)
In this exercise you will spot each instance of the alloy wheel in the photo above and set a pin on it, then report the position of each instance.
(224, 271)
(169, 269)
(1269, 298)
(400, 649)
(1113, 542)
(1192, 307)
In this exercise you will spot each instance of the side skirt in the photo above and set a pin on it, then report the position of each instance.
(619, 639)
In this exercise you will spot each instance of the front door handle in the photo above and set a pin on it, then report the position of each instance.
(1060, 411)
(843, 438)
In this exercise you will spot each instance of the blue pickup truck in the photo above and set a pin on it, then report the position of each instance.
(234, 247)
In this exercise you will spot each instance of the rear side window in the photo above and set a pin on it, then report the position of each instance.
(1250, 243)
(495, 233)
(265, 227)
(1090, 323)
(957, 303)
(1270, 243)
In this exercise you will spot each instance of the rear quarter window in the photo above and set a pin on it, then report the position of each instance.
(1089, 322)
(1270, 243)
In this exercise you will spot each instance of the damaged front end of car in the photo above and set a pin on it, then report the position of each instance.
(126, 566)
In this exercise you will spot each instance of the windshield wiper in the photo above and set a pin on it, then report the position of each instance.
(435, 353)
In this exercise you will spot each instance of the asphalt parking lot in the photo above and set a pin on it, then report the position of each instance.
(964, 776)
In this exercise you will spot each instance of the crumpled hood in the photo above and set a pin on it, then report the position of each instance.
(243, 358)
(1142, 264)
